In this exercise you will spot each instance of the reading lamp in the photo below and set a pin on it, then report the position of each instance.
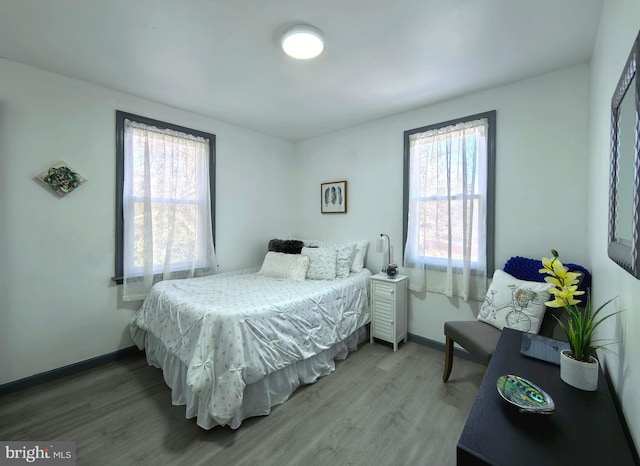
(380, 248)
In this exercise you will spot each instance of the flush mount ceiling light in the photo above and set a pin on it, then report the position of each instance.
(302, 41)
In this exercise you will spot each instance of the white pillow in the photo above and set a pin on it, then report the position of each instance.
(357, 263)
(346, 253)
(514, 303)
(286, 266)
(322, 263)
(361, 252)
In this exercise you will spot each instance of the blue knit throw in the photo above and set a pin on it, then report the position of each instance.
(528, 269)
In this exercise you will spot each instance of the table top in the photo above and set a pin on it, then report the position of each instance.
(584, 429)
(383, 277)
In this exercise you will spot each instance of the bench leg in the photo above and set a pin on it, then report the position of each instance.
(448, 359)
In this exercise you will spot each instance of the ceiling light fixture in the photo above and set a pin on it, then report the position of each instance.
(302, 41)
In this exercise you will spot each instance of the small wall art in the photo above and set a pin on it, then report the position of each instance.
(61, 178)
(333, 197)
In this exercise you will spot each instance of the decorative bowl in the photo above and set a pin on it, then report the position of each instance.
(525, 395)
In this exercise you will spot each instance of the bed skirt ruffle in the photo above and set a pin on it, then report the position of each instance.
(258, 397)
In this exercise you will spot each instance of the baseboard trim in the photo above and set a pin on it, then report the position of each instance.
(53, 374)
(439, 346)
(74, 368)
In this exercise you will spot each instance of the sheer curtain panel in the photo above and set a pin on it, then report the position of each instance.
(446, 243)
(166, 208)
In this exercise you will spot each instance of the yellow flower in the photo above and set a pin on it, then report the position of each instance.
(559, 270)
(563, 274)
(560, 274)
(566, 294)
(564, 289)
(547, 264)
(555, 303)
(571, 278)
(553, 280)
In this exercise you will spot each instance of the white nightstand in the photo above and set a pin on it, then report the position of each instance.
(389, 308)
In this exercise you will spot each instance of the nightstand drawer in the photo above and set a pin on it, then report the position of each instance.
(383, 290)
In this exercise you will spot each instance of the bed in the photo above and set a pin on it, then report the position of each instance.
(232, 345)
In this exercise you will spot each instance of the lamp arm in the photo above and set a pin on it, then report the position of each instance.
(388, 247)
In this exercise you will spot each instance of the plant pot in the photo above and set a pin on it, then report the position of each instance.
(579, 374)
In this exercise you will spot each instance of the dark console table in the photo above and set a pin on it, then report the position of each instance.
(584, 430)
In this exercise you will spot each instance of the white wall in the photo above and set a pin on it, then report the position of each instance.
(618, 30)
(58, 304)
(541, 179)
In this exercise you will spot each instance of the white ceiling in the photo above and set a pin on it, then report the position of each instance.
(220, 57)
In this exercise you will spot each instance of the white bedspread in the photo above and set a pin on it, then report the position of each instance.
(232, 329)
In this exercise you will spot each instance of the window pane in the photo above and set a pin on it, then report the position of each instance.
(434, 230)
(166, 158)
(184, 240)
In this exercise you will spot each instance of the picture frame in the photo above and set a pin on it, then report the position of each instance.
(60, 178)
(333, 197)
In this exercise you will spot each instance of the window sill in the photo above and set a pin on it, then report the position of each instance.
(158, 276)
(441, 266)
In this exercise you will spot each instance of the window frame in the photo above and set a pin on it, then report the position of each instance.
(490, 195)
(120, 118)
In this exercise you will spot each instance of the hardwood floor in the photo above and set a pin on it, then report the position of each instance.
(377, 408)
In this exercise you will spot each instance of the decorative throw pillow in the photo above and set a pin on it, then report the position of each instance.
(357, 263)
(513, 303)
(286, 246)
(285, 266)
(358, 260)
(346, 253)
(322, 263)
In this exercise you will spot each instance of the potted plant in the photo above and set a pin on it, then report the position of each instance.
(578, 365)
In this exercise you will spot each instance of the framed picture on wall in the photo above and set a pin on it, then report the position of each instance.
(333, 197)
(60, 178)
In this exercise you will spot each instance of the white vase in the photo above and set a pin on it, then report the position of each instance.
(579, 374)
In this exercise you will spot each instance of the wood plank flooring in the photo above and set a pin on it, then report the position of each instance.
(377, 408)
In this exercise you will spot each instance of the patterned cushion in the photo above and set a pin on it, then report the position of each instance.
(346, 253)
(513, 303)
(285, 266)
(358, 260)
(322, 263)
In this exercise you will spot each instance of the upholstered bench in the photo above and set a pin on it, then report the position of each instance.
(480, 338)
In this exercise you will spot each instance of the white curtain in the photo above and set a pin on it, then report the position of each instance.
(166, 208)
(445, 250)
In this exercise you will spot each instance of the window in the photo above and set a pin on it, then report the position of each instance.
(449, 198)
(165, 209)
